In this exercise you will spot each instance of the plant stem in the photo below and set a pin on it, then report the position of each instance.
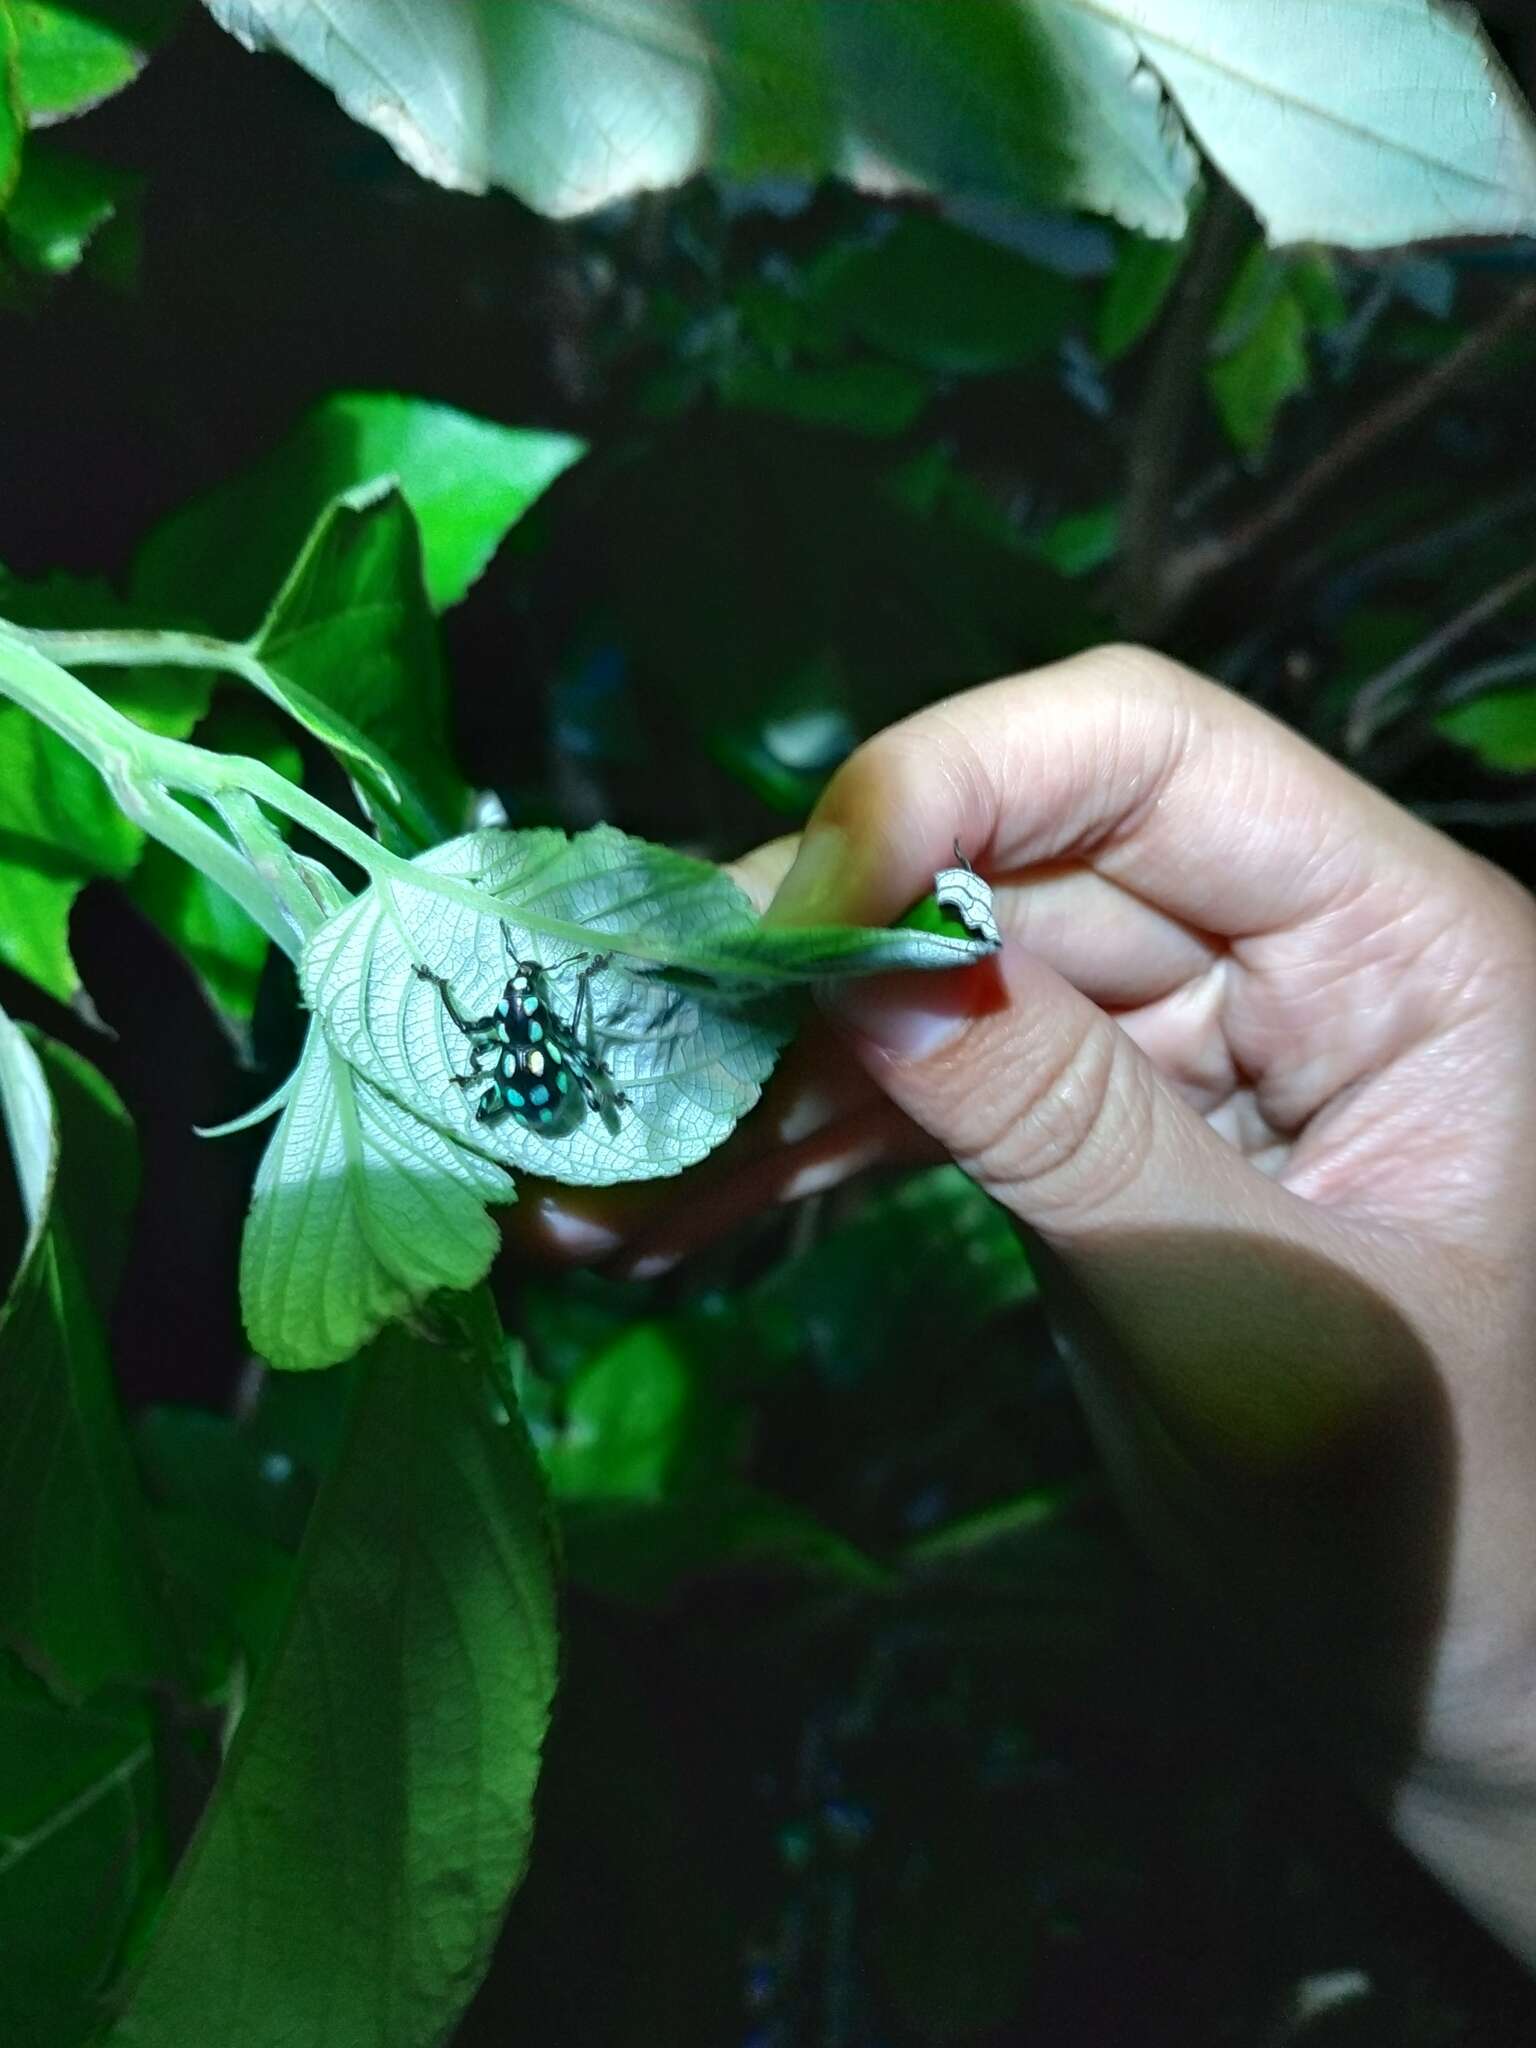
(1162, 420)
(1206, 559)
(1375, 694)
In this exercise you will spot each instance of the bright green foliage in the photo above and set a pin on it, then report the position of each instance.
(77, 1601)
(13, 120)
(349, 648)
(375, 1810)
(1499, 728)
(466, 480)
(72, 57)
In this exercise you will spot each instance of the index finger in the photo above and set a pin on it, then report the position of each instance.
(1162, 782)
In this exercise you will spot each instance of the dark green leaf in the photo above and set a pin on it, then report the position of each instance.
(375, 1811)
(864, 398)
(80, 1845)
(1138, 287)
(77, 1597)
(947, 301)
(61, 202)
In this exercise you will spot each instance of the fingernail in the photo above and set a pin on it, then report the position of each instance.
(576, 1236)
(817, 882)
(912, 1016)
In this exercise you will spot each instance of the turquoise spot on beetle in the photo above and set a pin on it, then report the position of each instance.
(538, 1095)
(535, 1032)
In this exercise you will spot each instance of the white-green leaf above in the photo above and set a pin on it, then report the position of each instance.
(1364, 123)
(574, 103)
(360, 1212)
(1360, 122)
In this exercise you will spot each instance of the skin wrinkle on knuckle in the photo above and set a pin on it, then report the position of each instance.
(1048, 1118)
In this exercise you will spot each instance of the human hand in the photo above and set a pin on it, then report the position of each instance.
(1256, 1070)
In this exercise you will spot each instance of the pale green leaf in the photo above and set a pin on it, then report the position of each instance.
(77, 1595)
(678, 1003)
(574, 103)
(1364, 123)
(360, 1211)
(374, 1816)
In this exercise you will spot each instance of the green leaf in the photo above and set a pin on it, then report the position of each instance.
(81, 1843)
(947, 301)
(468, 481)
(1499, 728)
(13, 117)
(863, 398)
(572, 106)
(77, 1598)
(1260, 345)
(375, 1812)
(61, 202)
(351, 651)
(73, 57)
(646, 1551)
(955, 1259)
(360, 1211)
(1137, 290)
(1364, 128)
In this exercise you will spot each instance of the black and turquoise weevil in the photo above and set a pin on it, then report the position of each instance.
(545, 1075)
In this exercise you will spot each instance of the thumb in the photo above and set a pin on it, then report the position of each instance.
(1044, 1101)
(1216, 1280)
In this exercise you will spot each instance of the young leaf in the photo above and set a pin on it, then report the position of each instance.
(351, 651)
(468, 481)
(78, 1601)
(375, 1811)
(360, 1211)
(72, 57)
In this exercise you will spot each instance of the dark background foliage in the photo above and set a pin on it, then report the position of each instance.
(975, 1779)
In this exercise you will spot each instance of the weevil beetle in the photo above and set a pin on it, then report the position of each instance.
(543, 1075)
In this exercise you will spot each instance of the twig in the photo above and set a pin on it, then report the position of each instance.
(1211, 557)
(1162, 419)
(1485, 676)
(1377, 691)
